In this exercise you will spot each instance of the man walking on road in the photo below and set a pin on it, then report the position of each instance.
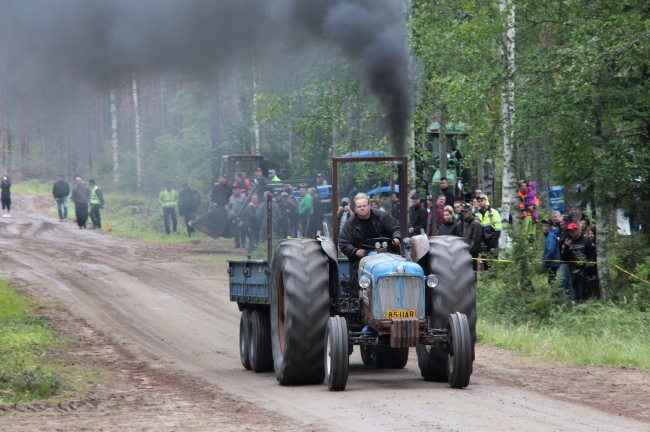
(80, 197)
(189, 201)
(60, 192)
(96, 204)
(168, 198)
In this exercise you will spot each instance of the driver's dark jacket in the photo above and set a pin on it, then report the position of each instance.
(351, 237)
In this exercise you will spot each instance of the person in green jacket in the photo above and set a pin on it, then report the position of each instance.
(306, 210)
(168, 198)
(96, 204)
(272, 177)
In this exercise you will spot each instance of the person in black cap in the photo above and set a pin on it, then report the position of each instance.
(417, 216)
(472, 233)
(345, 212)
(189, 201)
(288, 223)
(565, 274)
(320, 181)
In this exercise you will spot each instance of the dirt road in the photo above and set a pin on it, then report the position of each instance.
(175, 312)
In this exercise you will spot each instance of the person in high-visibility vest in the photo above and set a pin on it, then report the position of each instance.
(168, 198)
(490, 220)
(96, 204)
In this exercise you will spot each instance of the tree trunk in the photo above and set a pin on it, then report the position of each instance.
(603, 208)
(290, 132)
(116, 161)
(508, 195)
(215, 126)
(136, 122)
(442, 146)
(256, 126)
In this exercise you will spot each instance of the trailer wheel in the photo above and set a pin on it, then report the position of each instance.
(450, 261)
(366, 354)
(259, 348)
(336, 353)
(244, 334)
(299, 296)
(459, 358)
(391, 358)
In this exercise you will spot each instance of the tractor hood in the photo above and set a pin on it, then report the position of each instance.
(381, 265)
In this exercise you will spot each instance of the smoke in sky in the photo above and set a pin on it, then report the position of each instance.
(100, 40)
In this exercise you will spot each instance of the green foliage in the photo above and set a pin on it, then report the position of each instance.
(26, 373)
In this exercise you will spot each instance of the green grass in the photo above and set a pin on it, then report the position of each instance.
(27, 372)
(33, 187)
(543, 324)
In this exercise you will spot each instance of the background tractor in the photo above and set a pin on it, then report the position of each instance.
(301, 317)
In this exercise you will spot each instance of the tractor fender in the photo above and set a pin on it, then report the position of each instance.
(331, 251)
(419, 247)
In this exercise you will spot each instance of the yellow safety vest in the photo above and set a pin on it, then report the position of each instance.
(168, 198)
(94, 199)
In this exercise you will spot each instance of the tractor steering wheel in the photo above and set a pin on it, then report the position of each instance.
(371, 244)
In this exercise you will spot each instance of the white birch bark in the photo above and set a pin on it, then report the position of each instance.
(508, 193)
(256, 126)
(116, 162)
(136, 120)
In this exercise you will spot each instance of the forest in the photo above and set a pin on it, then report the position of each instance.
(552, 91)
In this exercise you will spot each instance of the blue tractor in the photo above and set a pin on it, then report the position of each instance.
(302, 318)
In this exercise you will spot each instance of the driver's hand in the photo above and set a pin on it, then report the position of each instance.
(396, 241)
(360, 252)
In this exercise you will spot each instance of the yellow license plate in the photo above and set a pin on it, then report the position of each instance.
(400, 313)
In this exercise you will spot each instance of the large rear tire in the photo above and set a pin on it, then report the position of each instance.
(459, 358)
(244, 335)
(367, 354)
(299, 296)
(391, 358)
(336, 353)
(260, 353)
(449, 259)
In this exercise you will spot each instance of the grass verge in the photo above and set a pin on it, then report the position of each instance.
(27, 371)
(539, 325)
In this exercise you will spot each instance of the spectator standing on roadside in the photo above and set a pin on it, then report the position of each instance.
(430, 212)
(317, 215)
(250, 222)
(263, 218)
(272, 177)
(245, 179)
(80, 197)
(551, 256)
(478, 193)
(477, 206)
(458, 205)
(320, 181)
(259, 179)
(5, 197)
(490, 220)
(374, 198)
(306, 210)
(288, 221)
(525, 212)
(221, 193)
(345, 212)
(472, 233)
(96, 204)
(449, 225)
(579, 253)
(189, 201)
(556, 218)
(168, 198)
(395, 208)
(60, 192)
(594, 285)
(236, 205)
(447, 191)
(565, 274)
(417, 216)
(440, 211)
(584, 225)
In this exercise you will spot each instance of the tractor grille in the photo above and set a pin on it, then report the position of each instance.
(388, 296)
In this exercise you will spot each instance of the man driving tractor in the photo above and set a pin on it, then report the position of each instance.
(365, 224)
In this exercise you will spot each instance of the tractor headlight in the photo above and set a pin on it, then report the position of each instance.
(377, 245)
(384, 245)
(364, 282)
(432, 281)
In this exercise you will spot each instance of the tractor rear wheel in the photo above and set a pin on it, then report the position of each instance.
(299, 296)
(459, 358)
(259, 348)
(336, 353)
(391, 358)
(450, 261)
(366, 354)
(244, 334)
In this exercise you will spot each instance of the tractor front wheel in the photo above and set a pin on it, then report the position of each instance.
(459, 358)
(336, 353)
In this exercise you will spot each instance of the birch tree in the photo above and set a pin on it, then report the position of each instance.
(136, 121)
(116, 160)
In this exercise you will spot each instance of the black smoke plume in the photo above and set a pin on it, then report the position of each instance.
(100, 40)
